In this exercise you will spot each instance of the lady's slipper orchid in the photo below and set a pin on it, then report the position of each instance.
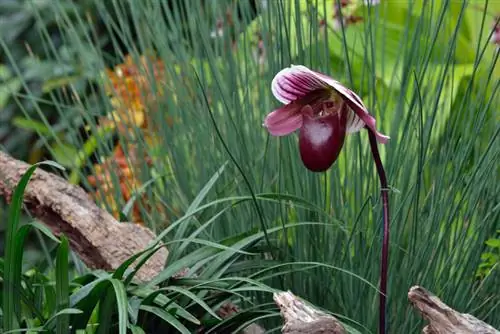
(323, 111)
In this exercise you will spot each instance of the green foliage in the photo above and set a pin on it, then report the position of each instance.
(490, 258)
(114, 302)
(30, 75)
(15, 237)
(262, 222)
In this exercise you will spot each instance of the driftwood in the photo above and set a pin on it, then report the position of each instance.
(443, 319)
(301, 318)
(101, 241)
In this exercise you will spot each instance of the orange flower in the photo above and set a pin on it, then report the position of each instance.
(129, 88)
(129, 85)
(128, 182)
(130, 81)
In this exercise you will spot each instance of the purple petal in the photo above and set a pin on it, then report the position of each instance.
(321, 140)
(301, 75)
(356, 104)
(284, 120)
(295, 82)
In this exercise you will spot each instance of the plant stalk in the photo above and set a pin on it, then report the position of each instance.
(384, 261)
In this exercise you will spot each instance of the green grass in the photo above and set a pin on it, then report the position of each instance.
(429, 75)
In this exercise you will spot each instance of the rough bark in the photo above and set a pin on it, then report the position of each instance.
(443, 319)
(101, 241)
(301, 318)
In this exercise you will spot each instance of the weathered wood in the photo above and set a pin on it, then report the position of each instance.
(301, 318)
(443, 319)
(101, 241)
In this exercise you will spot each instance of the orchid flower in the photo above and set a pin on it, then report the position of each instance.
(322, 109)
(324, 112)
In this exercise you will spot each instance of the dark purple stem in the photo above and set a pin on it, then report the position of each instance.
(384, 263)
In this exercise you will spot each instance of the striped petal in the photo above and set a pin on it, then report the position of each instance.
(297, 80)
(354, 123)
(294, 82)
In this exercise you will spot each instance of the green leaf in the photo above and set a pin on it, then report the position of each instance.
(121, 305)
(133, 308)
(106, 311)
(62, 285)
(136, 329)
(88, 149)
(194, 298)
(111, 295)
(64, 154)
(7, 89)
(130, 203)
(144, 257)
(50, 298)
(185, 262)
(58, 82)
(154, 297)
(86, 299)
(199, 198)
(120, 271)
(24, 330)
(62, 313)
(495, 243)
(14, 251)
(33, 125)
(167, 317)
(45, 230)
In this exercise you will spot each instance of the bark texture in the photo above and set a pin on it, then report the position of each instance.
(300, 318)
(100, 240)
(303, 319)
(442, 318)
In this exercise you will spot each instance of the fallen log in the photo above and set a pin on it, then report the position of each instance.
(442, 318)
(100, 240)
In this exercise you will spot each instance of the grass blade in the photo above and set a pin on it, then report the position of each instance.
(62, 286)
(167, 317)
(13, 256)
(121, 305)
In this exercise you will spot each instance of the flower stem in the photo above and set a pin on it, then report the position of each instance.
(384, 263)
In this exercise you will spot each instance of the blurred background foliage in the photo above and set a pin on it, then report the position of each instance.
(115, 91)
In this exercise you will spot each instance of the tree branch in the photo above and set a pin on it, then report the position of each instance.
(101, 241)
